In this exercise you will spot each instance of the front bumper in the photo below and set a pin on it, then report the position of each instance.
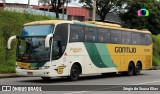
(35, 73)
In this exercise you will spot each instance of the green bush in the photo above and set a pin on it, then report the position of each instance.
(11, 24)
(156, 50)
(7, 69)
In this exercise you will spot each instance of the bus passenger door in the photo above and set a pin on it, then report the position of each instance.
(58, 60)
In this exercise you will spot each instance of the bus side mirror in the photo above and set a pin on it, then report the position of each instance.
(10, 41)
(47, 40)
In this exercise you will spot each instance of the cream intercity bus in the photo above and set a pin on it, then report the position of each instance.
(57, 48)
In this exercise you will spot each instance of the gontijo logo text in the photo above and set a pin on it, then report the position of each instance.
(125, 49)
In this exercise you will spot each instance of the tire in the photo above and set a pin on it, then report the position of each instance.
(74, 73)
(46, 78)
(138, 69)
(131, 69)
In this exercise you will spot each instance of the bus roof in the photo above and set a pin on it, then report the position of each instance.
(88, 23)
(44, 22)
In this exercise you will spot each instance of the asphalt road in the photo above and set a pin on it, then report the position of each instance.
(149, 77)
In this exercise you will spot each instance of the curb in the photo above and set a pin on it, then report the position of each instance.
(8, 75)
(155, 67)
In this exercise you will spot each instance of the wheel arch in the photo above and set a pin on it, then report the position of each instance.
(132, 63)
(139, 61)
(80, 66)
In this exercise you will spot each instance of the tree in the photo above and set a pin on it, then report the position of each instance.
(28, 3)
(56, 5)
(105, 6)
(45, 2)
(4, 3)
(151, 22)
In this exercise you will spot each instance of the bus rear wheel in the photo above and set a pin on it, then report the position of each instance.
(74, 73)
(130, 69)
(138, 69)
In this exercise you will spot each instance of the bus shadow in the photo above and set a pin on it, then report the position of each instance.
(84, 78)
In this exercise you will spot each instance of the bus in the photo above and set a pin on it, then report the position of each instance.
(59, 48)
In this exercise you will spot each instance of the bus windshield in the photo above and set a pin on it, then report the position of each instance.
(37, 30)
(31, 45)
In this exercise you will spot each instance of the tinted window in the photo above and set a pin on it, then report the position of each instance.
(59, 41)
(103, 35)
(148, 39)
(61, 33)
(135, 38)
(115, 36)
(142, 39)
(90, 34)
(76, 33)
(33, 49)
(55, 49)
(126, 37)
(37, 30)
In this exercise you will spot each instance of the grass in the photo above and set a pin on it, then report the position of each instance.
(11, 24)
(156, 50)
(7, 69)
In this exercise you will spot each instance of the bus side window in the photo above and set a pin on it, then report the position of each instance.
(74, 37)
(76, 33)
(148, 39)
(55, 49)
(103, 35)
(101, 39)
(115, 36)
(135, 38)
(142, 38)
(126, 37)
(90, 34)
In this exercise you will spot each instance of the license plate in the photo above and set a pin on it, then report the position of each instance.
(29, 73)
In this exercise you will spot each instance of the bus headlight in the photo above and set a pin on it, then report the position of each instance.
(44, 67)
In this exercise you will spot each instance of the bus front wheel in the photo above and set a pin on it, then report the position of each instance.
(74, 73)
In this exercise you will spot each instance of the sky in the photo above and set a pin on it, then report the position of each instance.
(35, 2)
(32, 2)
